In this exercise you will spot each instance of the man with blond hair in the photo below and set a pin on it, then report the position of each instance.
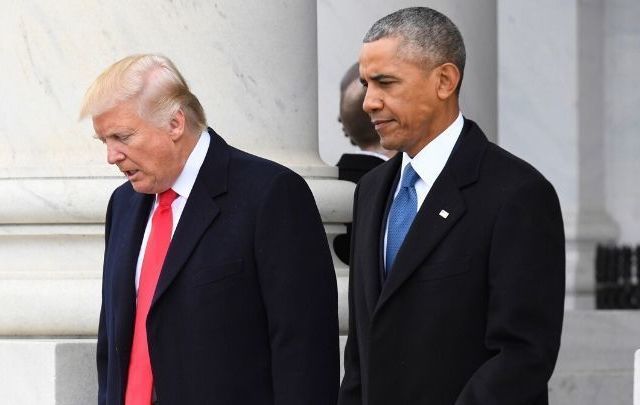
(200, 304)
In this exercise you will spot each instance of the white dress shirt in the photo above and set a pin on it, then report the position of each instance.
(182, 187)
(428, 164)
(370, 153)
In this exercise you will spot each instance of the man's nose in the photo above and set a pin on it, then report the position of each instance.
(372, 101)
(114, 155)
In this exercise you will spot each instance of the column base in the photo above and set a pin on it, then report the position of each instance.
(583, 231)
(48, 372)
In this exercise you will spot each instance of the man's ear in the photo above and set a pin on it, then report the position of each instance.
(448, 79)
(177, 125)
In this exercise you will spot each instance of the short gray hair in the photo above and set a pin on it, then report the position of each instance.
(425, 33)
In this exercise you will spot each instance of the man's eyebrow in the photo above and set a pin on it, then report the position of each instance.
(121, 131)
(377, 78)
(116, 132)
(381, 76)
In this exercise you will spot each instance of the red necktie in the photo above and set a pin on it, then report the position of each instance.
(140, 379)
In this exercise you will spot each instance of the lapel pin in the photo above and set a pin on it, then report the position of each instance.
(444, 214)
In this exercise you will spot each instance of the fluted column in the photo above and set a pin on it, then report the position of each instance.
(253, 64)
(550, 101)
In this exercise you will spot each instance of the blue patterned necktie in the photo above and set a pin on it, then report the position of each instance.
(403, 210)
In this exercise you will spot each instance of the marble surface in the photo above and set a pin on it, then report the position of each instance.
(595, 365)
(636, 379)
(551, 101)
(596, 361)
(621, 116)
(567, 104)
(537, 89)
(259, 91)
(48, 372)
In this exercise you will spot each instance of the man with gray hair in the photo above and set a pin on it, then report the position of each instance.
(456, 283)
(200, 303)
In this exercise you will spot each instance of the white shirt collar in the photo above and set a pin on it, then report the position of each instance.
(370, 153)
(430, 161)
(187, 178)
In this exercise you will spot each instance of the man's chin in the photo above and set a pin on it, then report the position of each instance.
(142, 188)
(388, 144)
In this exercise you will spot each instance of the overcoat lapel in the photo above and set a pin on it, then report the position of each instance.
(371, 210)
(130, 229)
(429, 226)
(198, 214)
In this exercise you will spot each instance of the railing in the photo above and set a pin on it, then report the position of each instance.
(617, 278)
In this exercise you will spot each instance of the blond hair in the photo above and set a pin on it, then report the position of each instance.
(154, 82)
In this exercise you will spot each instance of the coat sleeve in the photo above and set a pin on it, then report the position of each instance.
(102, 349)
(351, 388)
(526, 300)
(299, 290)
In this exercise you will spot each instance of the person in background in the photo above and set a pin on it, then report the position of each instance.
(357, 126)
(200, 303)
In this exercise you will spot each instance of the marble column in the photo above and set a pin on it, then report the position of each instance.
(253, 65)
(621, 39)
(550, 109)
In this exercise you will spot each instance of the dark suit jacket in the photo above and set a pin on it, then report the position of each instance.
(245, 311)
(351, 167)
(471, 312)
